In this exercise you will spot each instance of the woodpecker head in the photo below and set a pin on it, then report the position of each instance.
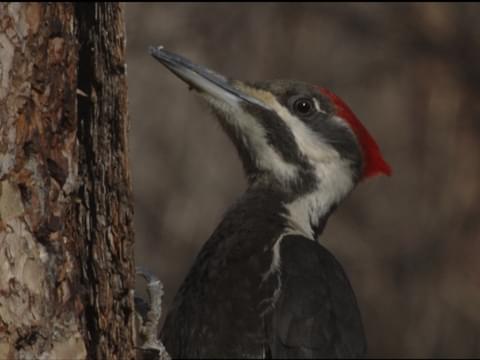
(290, 135)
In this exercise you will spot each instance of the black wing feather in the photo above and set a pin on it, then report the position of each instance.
(316, 314)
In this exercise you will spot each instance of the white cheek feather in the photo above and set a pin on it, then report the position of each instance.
(254, 137)
(333, 172)
(334, 175)
(306, 211)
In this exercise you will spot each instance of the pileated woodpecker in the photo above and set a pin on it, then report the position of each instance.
(262, 285)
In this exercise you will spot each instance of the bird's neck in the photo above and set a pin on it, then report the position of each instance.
(309, 212)
(252, 224)
(268, 210)
(307, 215)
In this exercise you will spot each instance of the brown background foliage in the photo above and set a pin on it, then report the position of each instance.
(410, 243)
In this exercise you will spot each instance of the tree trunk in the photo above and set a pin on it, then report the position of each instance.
(66, 239)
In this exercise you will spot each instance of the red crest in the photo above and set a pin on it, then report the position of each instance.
(374, 163)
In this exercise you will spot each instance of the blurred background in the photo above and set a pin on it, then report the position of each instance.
(411, 72)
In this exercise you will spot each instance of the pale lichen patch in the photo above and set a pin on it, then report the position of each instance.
(39, 189)
(33, 16)
(55, 50)
(71, 182)
(24, 282)
(6, 349)
(32, 270)
(6, 60)
(72, 347)
(16, 12)
(19, 258)
(7, 162)
(10, 201)
(23, 277)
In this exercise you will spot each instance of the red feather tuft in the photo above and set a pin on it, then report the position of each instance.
(374, 164)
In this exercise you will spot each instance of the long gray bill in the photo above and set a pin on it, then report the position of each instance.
(200, 77)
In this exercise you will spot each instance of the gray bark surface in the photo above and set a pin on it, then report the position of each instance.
(66, 239)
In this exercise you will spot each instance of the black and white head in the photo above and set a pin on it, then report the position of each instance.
(291, 136)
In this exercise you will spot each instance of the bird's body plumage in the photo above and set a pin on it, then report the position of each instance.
(233, 304)
(262, 286)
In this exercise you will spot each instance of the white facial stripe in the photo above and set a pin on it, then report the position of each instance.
(317, 107)
(333, 172)
(305, 211)
(309, 143)
(253, 135)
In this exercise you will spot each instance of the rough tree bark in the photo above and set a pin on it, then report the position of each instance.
(66, 254)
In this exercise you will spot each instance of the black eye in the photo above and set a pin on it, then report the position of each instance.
(303, 106)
